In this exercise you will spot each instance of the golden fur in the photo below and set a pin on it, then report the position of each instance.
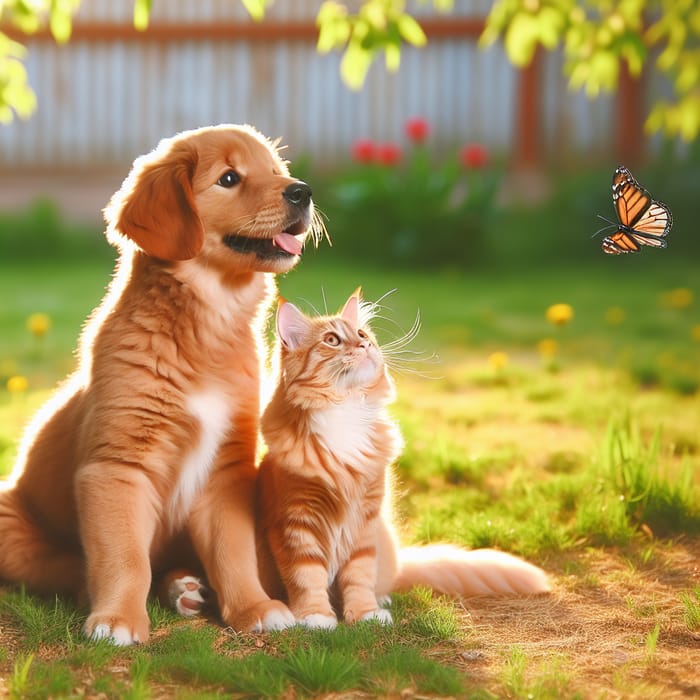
(150, 446)
(324, 488)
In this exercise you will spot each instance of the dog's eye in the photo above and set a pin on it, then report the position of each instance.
(229, 179)
(331, 339)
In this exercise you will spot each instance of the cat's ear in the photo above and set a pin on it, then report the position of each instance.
(292, 325)
(351, 310)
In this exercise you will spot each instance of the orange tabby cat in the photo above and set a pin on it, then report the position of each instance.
(323, 496)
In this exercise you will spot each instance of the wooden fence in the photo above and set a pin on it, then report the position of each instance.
(112, 92)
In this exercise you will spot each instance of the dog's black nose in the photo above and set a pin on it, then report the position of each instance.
(298, 194)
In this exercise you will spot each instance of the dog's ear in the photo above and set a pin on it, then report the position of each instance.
(155, 206)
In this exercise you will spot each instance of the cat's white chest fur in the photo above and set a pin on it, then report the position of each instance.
(345, 429)
(212, 411)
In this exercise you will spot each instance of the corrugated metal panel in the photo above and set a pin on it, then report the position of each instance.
(103, 103)
(572, 123)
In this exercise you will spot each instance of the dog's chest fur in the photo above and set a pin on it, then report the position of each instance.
(229, 369)
(211, 410)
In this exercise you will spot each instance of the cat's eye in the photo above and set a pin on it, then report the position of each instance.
(229, 179)
(332, 339)
(362, 334)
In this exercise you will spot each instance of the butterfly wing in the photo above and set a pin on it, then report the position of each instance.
(631, 200)
(620, 242)
(653, 225)
(642, 220)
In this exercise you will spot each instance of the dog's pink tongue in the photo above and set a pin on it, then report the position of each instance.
(290, 244)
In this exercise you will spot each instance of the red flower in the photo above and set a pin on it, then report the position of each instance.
(417, 129)
(474, 156)
(389, 154)
(364, 151)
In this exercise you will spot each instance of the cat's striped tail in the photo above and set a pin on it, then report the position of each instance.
(453, 571)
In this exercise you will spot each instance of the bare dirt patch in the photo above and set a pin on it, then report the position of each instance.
(591, 633)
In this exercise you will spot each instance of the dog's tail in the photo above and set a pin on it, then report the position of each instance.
(449, 570)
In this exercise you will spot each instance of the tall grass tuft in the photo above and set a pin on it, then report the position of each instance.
(41, 621)
(317, 670)
(20, 677)
(649, 496)
(691, 609)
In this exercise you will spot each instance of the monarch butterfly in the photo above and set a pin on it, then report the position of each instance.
(641, 219)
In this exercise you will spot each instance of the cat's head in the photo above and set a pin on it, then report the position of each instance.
(327, 358)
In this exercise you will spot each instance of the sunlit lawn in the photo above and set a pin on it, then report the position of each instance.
(581, 452)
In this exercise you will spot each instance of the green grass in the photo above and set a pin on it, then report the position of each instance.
(691, 609)
(205, 658)
(592, 453)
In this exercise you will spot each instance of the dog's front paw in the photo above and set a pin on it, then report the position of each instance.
(379, 615)
(187, 594)
(318, 621)
(117, 630)
(266, 616)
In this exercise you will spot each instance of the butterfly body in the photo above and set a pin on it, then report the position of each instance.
(641, 219)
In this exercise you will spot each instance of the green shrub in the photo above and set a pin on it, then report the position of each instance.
(405, 207)
(40, 232)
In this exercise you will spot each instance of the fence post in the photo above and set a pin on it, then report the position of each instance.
(629, 134)
(528, 143)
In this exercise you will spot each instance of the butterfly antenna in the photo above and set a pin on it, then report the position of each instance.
(610, 224)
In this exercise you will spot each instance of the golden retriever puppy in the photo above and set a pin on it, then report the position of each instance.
(150, 446)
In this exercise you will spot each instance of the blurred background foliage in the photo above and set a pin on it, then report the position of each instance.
(399, 205)
(598, 38)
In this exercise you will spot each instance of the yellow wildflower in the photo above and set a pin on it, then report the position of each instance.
(548, 347)
(695, 332)
(680, 298)
(560, 314)
(38, 324)
(497, 360)
(17, 384)
(615, 315)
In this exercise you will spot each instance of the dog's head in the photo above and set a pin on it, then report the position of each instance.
(221, 193)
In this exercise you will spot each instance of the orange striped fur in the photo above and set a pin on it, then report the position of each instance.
(327, 541)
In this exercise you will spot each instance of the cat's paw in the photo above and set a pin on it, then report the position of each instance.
(379, 615)
(188, 595)
(318, 621)
(384, 601)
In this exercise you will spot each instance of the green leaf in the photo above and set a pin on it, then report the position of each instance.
(16, 96)
(550, 24)
(256, 8)
(411, 31)
(521, 39)
(142, 14)
(635, 52)
(443, 5)
(688, 112)
(61, 19)
(688, 76)
(355, 64)
(392, 53)
(334, 26)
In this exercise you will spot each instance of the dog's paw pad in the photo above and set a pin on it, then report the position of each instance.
(188, 595)
(319, 622)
